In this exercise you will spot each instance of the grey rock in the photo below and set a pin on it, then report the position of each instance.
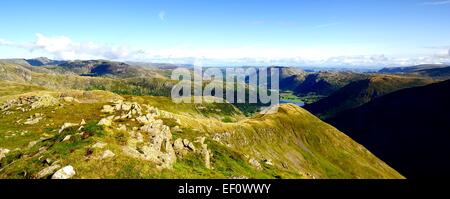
(65, 126)
(255, 163)
(178, 145)
(65, 173)
(47, 171)
(99, 145)
(67, 138)
(107, 154)
(3, 153)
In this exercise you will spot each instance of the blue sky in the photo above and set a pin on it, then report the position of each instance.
(292, 32)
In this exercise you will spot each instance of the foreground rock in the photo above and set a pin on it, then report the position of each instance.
(47, 171)
(65, 173)
(107, 154)
(34, 119)
(255, 163)
(106, 121)
(3, 153)
(66, 126)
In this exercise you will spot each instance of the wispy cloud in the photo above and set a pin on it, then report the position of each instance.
(4, 42)
(436, 3)
(327, 25)
(162, 15)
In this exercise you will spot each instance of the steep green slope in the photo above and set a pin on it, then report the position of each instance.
(409, 129)
(438, 71)
(320, 83)
(360, 92)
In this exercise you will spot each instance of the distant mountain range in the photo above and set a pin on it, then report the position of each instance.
(409, 129)
(432, 70)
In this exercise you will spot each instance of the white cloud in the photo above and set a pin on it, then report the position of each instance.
(4, 42)
(436, 3)
(162, 15)
(62, 47)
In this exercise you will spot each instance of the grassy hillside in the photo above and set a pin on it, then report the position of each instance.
(50, 78)
(360, 92)
(438, 71)
(320, 83)
(222, 142)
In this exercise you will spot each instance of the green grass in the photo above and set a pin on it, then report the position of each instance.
(297, 142)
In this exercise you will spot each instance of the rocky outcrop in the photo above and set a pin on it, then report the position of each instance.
(28, 103)
(158, 147)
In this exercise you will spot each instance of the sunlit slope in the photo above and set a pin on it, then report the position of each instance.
(291, 143)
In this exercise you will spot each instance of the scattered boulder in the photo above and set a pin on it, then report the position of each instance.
(106, 121)
(206, 156)
(99, 145)
(107, 154)
(67, 138)
(268, 162)
(65, 173)
(32, 143)
(47, 171)
(70, 99)
(255, 163)
(65, 126)
(3, 153)
(34, 119)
